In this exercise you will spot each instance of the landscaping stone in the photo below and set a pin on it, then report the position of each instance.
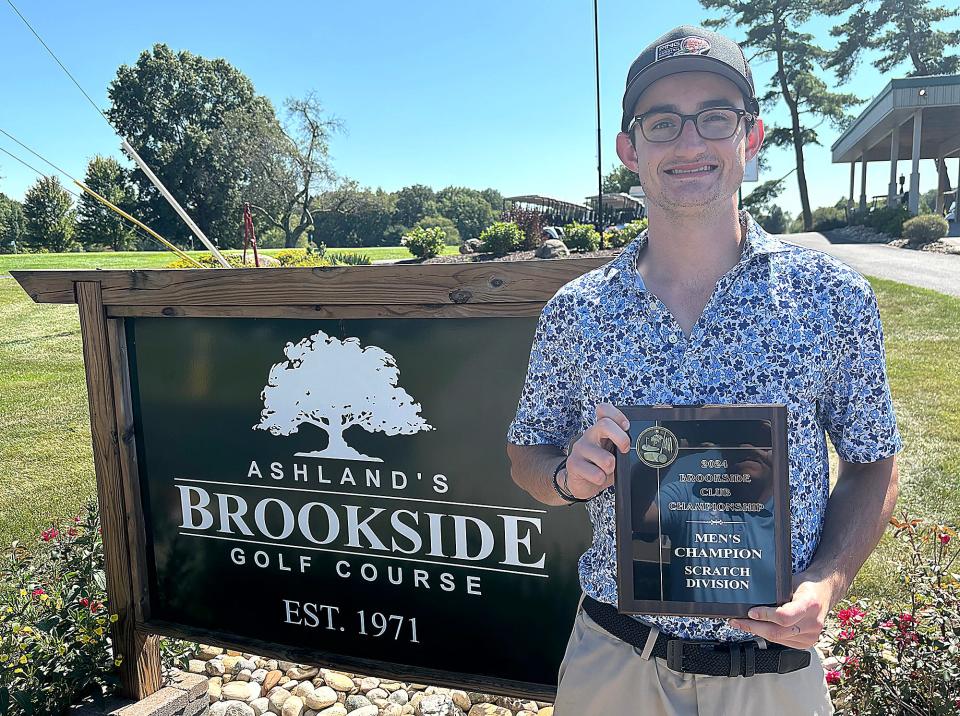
(552, 249)
(338, 681)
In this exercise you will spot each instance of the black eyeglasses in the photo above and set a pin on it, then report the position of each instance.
(713, 123)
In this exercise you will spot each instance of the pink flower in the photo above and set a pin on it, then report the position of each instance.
(84, 602)
(37, 592)
(72, 532)
(47, 535)
(944, 539)
(76, 520)
(833, 677)
(851, 615)
(95, 607)
(846, 634)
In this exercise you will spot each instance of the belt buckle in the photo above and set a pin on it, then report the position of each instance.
(675, 648)
(735, 651)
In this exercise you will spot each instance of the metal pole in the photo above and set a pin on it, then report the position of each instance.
(596, 50)
(173, 202)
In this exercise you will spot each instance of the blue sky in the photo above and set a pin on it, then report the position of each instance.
(495, 94)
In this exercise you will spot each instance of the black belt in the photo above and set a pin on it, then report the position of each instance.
(713, 658)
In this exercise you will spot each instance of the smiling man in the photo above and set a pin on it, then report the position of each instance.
(707, 308)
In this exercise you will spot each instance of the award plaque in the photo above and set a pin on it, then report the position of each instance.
(703, 510)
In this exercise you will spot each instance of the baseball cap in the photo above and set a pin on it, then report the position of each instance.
(688, 49)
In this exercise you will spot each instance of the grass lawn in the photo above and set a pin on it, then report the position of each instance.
(45, 455)
(159, 259)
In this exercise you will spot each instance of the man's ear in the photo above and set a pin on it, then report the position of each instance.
(754, 139)
(626, 152)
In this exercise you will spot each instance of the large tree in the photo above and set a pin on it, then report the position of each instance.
(352, 216)
(169, 105)
(96, 224)
(469, 209)
(414, 203)
(619, 180)
(284, 166)
(774, 33)
(49, 217)
(12, 224)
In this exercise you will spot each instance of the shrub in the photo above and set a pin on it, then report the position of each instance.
(828, 224)
(208, 261)
(451, 235)
(501, 237)
(621, 237)
(909, 653)
(339, 258)
(290, 256)
(425, 243)
(531, 223)
(922, 230)
(885, 219)
(581, 237)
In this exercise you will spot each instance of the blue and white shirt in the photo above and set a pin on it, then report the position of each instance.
(785, 325)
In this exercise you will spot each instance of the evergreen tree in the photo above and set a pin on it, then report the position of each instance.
(50, 218)
(98, 225)
(12, 225)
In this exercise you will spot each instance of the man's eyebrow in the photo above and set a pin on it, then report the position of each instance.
(716, 102)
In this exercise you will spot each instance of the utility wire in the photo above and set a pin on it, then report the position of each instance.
(57, 60)
(38, 156)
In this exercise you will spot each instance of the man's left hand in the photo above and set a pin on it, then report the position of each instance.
(797, 623)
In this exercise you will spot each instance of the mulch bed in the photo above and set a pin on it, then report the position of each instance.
(513, 256)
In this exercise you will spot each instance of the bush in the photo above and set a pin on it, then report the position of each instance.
(581, 237)
(909, 653)
(288, 257)
(531, 223)
(922, 230)
(829, 224)
(621, 237)
(425, 243)
(338, 258)
(501, 237)
(208, 261)
(451, 235)
(885, 219)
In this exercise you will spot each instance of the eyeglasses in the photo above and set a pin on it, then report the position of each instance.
(713, 123)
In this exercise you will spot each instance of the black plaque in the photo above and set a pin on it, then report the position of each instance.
(703, 510)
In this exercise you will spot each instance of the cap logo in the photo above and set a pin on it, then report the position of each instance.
(690, 45)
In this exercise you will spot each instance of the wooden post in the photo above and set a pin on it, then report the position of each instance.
(140, 654)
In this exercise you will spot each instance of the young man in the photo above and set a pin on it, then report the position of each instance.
(707, 308)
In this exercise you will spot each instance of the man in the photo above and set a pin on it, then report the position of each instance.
(707, 308)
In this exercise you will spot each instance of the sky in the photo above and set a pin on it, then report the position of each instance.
(497, 94)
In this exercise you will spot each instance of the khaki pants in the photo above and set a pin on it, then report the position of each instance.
(604, 676)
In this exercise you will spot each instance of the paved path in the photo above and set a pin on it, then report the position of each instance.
(941, 272)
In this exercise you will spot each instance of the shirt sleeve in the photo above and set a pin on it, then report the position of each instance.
(548, 412)
(856, 409)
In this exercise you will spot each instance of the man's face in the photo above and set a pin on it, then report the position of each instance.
(721, 161)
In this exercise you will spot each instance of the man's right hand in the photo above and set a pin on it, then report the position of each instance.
(592, 461)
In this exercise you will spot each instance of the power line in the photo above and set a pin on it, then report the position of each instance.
(57, 60)
(38, 156)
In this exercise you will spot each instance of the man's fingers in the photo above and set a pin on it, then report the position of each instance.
(603, 459)
(608, 428)
(793, 635)
(607, 410)
(579, 468)
(786, 615)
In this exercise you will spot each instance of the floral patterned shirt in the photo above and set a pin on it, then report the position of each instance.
(785, 325)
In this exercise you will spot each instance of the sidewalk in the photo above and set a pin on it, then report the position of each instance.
(940, 272)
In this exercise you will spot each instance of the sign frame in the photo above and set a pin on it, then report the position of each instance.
(106, 298)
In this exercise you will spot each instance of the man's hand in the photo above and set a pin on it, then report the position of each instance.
(592, 462)
(797, 623)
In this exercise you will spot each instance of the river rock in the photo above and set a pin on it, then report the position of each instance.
(214, 668)
(376, 693)
(437, 705)
(206, 653)
(237, 708)
(338, 682)
(356, 701)
(461, 699)
(293, 706)
(271, 679)
(489, 710)
(369, 710)
(239, 691)
(390, 685)
(231, 664)
(400, 697)
(552, 249)
(300, 673)
(196, 666)
(335, 710)
(545, 711)
(260, 706)
(320, 698)
(368, 682)
(277, 698)
(214, 686)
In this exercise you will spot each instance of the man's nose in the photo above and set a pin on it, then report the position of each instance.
(689, 139)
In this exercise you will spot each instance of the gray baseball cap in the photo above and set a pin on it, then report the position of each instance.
(688, 49)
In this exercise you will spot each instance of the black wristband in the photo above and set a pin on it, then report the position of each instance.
(565, 494)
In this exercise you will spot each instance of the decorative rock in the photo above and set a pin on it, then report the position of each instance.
(258, 675)
(302, 672)
(237, 708)
(271, 679)
(545, 711)
(552, 249)
(214, 686)
(231, 664)
(244, 675)
(392, 710)
(400, 697)
(302, 689)
(320, 698)
(205, 653)
(489, 710)
(376, 693)
(233, 652)
(214, 668)
(196, 666)
(356, 701)
(526, 713)
(338, 681)
(246, 663)
(370, 710)
(285, 665)
(260, 706)
(461, 699)
(368, 682)
(437, 705)
(335, 710)
(218, 709)
(239, 691)
(277, 698)
(390, 685)
(293, 706)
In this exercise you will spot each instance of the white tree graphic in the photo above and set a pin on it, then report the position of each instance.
(334, 385)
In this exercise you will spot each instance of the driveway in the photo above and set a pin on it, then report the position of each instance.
(940, 272)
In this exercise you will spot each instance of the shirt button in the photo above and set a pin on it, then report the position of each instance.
(673, 339)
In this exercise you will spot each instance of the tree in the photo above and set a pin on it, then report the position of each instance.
(901, 30)
(774, 34)
(49, 216)
(365, 393)
(620, 179)
(96, 224)
(352, 216)
(283, 167)
(12, 224)
(467, 208)
(414, 203)
(169, 106)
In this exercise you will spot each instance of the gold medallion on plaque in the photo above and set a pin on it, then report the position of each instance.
(657, 447)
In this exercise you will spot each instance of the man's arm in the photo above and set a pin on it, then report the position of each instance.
(858, 511)
(590, 465)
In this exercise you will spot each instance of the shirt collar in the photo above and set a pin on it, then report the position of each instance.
(756, 242)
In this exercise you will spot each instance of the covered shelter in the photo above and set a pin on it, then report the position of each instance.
(619, 207)
(556, 211)
(912, 118)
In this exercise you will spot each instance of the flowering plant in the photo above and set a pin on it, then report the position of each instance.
(904, 658)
